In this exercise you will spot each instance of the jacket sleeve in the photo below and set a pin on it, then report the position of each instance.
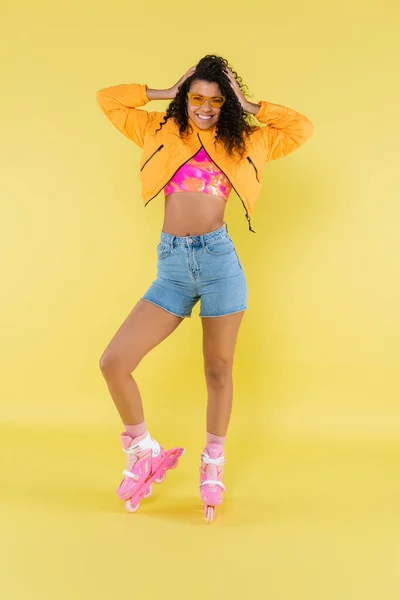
(285, 129)
(119, 103)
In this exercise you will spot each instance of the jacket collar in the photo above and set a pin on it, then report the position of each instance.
(204, 133)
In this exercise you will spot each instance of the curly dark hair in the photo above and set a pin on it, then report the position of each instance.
(234, 124)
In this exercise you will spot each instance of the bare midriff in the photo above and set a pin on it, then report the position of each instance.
(193, 213)
(195, 197)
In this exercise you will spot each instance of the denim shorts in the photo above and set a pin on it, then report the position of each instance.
(198, 267)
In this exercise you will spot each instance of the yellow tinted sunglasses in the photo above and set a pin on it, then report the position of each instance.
(199, 99)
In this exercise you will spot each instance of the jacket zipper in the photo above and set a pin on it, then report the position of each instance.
(163, 186)
(158, 149)
(244, 206)
(254, 167)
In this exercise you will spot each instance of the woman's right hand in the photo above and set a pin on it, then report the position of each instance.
(174, 88)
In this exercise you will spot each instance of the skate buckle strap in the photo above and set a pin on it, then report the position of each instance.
(131, 449)
(131, 475)
(212, 482)
(213, 461)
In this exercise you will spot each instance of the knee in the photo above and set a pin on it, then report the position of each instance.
(218, 372)
(111, 363)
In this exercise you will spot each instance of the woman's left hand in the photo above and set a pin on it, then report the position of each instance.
(247, 106)
(235, 86)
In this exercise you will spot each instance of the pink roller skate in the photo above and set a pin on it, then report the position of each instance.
(211, 486)
(147, 461)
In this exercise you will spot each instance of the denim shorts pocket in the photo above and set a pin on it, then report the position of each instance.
(220, 247)
(163, 250)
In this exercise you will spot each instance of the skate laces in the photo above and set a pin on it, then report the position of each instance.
(212, 471)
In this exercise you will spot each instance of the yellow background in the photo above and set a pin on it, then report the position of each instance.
(312, 476)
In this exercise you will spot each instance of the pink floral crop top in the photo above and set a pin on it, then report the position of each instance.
(200, 174)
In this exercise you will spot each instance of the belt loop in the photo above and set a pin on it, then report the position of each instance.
(226, 226)
(172, 240)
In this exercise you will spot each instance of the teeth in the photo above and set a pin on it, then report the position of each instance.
(204, 118)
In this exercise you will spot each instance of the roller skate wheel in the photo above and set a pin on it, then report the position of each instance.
(148, 492)
(160, 479)
(209, 511)
(174, 465)
(131, 507)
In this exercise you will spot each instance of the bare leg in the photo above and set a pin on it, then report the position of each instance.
(219, 342)
(145, 327)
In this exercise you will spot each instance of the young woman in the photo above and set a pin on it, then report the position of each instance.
(198, 151)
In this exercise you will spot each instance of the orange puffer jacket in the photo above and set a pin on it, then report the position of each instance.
(165, 151)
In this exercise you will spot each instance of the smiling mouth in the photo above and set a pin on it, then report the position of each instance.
(203, 118)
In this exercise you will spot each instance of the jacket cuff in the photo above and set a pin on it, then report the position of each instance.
(263, 109)
(144, 99)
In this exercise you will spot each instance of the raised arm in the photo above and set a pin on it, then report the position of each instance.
(120, 105)
(285, 129)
